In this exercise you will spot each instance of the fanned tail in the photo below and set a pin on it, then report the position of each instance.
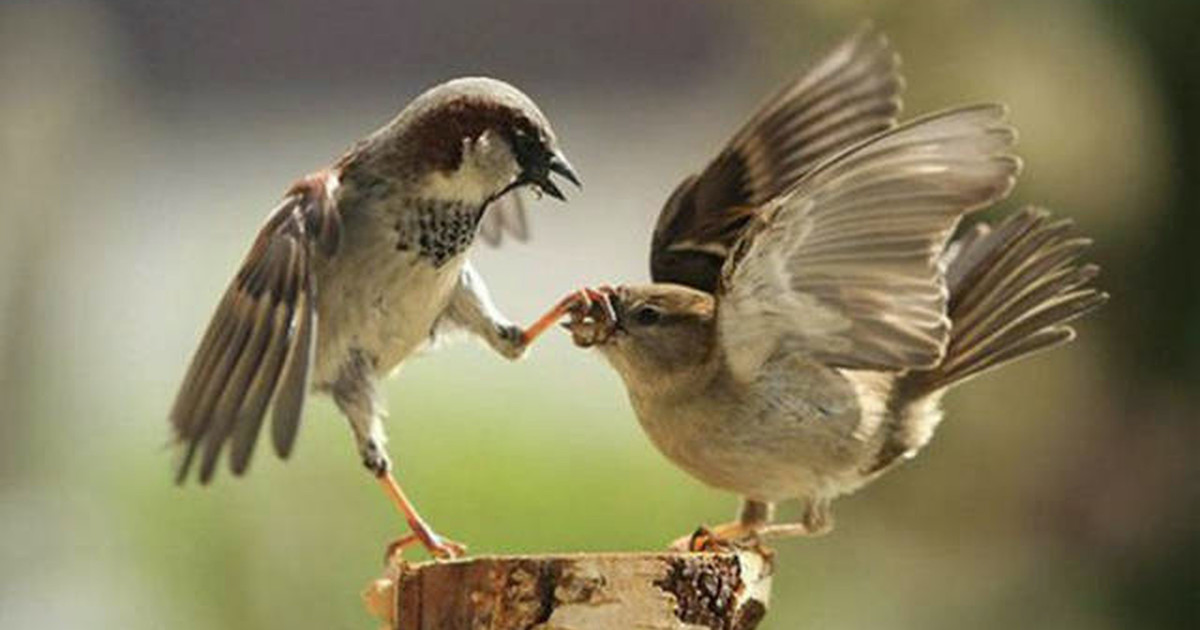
(1013, 290)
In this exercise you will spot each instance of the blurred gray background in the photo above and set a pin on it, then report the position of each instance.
(142, 142)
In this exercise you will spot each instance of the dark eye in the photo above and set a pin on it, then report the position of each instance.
(526, 146)
(646, 315)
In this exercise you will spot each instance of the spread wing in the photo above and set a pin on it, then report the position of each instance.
(258, 347)
(851, 94)
(845, 267)
(504, 216)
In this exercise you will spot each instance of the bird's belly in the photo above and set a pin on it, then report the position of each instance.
(383, 307)
(770, 455)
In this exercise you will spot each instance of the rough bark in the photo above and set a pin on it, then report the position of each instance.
(667, 591)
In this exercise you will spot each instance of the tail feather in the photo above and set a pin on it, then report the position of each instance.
(1013, 290)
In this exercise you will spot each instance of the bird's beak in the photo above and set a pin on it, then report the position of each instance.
(557, 164)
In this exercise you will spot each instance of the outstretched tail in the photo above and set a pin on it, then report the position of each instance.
(1013, 289)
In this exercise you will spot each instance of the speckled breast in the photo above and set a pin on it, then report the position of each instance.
(437, 230)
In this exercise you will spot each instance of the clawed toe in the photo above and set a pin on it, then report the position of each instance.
(397, 547)
(701, 540)
(593, 316)
(444, 549)
(721, 539)
(438, 547)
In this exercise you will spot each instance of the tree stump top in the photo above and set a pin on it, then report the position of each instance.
(667, 591)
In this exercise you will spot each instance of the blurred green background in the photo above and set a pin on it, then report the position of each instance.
(142, 142)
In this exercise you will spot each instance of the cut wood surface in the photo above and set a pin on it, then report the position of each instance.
(661, 591)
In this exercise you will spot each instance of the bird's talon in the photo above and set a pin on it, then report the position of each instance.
(703, 540)
(604, 312)
(722, 539)
(396, 547)
(443, 548)
(580, 303)
(438, 547)
(448, 550)
(685, 544)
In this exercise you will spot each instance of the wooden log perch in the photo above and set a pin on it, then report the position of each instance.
(662, 591)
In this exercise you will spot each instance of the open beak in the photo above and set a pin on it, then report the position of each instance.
(559, 164)
(556, 164)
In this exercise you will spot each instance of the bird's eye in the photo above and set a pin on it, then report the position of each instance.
(646, 315)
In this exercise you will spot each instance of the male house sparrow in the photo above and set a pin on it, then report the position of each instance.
(807, 314)
(356, 269)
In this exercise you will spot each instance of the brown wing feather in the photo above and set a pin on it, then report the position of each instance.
(257, 346)
(851, 94)
(845, 268)
(289, 398)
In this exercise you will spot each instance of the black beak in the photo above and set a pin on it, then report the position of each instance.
(556, 164)
(559, 164)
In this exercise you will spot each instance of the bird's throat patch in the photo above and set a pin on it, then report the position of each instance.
(437, 230)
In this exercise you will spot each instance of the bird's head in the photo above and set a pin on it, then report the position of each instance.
(475, 139)
(651, 334)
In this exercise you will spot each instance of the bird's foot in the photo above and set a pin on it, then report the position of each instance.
(593, 317)
(578, 305)
(723, 538)
(438, 547)
(396, 547)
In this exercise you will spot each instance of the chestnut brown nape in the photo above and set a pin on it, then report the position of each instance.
(441, 132)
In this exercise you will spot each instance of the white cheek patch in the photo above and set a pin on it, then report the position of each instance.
(487, 167)
(479, 146)
(464, 185)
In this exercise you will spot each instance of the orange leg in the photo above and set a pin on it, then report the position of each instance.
(754, 526)
(579, 301)
(437, 546)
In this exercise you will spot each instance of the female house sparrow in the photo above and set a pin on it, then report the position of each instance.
(807, 314)
(354, 271)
